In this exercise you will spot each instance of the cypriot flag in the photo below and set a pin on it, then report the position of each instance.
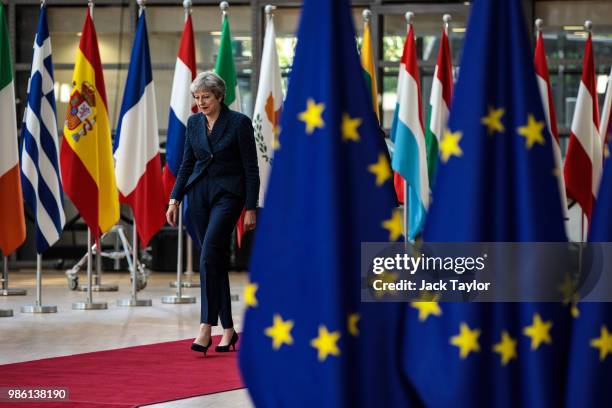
(268, 107)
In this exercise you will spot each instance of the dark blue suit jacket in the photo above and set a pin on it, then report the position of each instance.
(229, 158)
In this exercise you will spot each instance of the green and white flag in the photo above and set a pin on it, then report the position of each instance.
(12, 227)
(226, 69)
(439, 103)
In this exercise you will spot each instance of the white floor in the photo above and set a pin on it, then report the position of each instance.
(25, 336)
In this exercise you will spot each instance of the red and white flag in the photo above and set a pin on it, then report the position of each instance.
(541, 68)
(605, 127)
(583, 162)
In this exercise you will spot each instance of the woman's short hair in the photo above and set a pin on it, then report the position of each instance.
(208, 81)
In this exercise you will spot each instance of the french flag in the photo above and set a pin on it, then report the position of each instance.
(136, 145)
(583, 161)
(181, 106)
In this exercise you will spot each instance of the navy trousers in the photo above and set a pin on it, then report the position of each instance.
(214, 211)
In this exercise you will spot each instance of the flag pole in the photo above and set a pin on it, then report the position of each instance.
(447, 18)
(5, 312)
(588, 26)
(5, 291)
(89, 304)
(38, 307)
(133, 300)
(409, 18)
(224, 5)
(189, 272)
(179, 298)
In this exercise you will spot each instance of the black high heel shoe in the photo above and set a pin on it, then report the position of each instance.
(232, 344)
(200, 348)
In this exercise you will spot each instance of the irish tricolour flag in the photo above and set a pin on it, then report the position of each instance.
(410, 157)
(12, 229)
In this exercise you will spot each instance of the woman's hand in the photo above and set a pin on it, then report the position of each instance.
(171, 214)
(250, 219)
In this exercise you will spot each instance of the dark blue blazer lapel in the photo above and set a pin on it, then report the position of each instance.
(199, 132)
(218, 129)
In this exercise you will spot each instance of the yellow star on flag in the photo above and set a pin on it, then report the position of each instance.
(381, 170)
(276, 138)
(394, 226)
(466, 340)
(603, 343)
(250, 290)
(280, 332)
(353, 319)
(532, 131)
(427, 304)
(312, 116)
(539, 332)
(506, 348)
(493, 120)
(349, 128)
(325, 343)
(449, 145)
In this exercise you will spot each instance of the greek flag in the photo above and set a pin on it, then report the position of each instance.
(40, 177)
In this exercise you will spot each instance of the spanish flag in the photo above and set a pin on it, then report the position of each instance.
(86, 156)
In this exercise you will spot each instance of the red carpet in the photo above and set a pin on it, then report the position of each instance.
(127, 377)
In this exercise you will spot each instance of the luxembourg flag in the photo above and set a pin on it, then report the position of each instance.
(136, 148)
(541, 68)
(181, 106)
(410, 157)
(583, 161)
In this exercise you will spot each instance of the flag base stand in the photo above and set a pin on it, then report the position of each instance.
(176, 300)
(5, 290)
(38, 309)
(13, 292)
(100, 288)
(89, 306)
(188, 282)
(6, 313)
(185, 284)
(135, 302)
(179, 298)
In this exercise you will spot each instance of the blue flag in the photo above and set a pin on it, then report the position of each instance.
(497, 175)
(40, 176)
(308, 340)
(590, 367)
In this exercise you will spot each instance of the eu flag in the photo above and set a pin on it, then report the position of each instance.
(590, 367)
(496, 182)
(308, 340)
